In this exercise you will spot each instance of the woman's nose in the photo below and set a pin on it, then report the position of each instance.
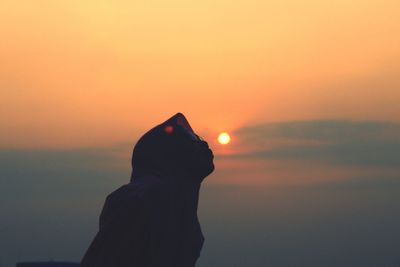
(204, 144)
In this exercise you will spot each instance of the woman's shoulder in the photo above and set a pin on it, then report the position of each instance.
(148, 188)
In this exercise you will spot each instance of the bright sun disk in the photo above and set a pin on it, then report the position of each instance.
(224, 138)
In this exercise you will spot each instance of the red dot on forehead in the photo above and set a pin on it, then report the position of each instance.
(169, 129)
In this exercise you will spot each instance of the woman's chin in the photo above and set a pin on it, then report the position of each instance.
(207, 170)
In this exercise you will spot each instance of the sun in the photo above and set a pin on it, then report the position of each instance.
(224, 138)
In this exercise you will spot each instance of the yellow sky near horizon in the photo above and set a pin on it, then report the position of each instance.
(89, 73)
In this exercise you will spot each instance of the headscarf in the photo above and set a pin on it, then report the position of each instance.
(172, 149)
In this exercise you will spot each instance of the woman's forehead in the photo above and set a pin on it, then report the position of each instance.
(184, 131)
(182, 121)
(179, 123)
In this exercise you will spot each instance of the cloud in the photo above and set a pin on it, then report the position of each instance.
(337, 142)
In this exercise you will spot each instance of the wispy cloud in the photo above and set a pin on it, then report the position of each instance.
(337, 142)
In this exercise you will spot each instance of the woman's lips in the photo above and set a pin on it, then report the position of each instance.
(211, 153)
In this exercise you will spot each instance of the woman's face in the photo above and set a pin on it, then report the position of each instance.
(196, 155)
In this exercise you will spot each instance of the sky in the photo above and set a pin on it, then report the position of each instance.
(308, 91)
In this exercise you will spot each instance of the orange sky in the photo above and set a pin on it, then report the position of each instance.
(95, 73)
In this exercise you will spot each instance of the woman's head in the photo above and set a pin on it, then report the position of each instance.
(172, 148)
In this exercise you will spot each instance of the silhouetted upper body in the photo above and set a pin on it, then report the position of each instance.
(152, 221)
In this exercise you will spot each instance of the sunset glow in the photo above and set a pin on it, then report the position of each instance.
(298, 101)
(88, 67)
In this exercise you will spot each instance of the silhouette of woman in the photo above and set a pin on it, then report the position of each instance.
(152, 221)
